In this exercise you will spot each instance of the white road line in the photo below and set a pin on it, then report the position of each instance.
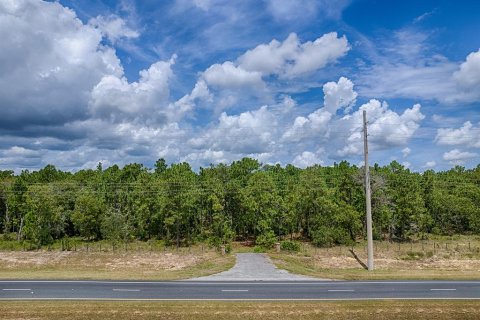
(443, 289)
(340, 290)
(17, 289)
(127, 290)
(234, 290)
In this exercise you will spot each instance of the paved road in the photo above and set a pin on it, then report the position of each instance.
(254, 267)
(257, 290)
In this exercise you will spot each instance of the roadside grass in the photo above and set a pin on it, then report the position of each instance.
(120, 310)
(439, 258)
(133, 262)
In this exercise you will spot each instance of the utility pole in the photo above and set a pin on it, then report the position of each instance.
(368, 195)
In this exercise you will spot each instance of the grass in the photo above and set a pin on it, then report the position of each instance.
(441, 258)
(132, 264)
(456, 257)
(398, 309)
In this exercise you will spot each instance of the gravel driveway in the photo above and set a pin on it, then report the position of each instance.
(253, 267)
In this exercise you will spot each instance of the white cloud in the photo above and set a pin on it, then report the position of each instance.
(432, 80)
(187, 103)
(301, 11)
(117, 99)
(250, 132)
(17, 156)
(270, 58)
(307, 159)
(292, 58)
(50, 61)
(456, 156)
(315, 124)
(17, 151)
(230, 76)
(207, 156)
(469, 74)
(339, 95)
(336, 95)
(389, 128)
(386, 128)
(406, 152)
(113, 27)
(403, 70)
(468, 136)
(430, 164)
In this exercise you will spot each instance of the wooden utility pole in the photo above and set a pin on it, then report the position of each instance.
(368, 195)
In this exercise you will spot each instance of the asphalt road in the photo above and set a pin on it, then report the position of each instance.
(257, 290)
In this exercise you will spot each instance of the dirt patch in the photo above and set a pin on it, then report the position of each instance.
(104, 260)
(435, 262)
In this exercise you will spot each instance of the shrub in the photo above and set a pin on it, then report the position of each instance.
(266, 239)
(258, 249)
(290, 246)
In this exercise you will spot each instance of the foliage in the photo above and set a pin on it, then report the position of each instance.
(290, 246)
(243, 201)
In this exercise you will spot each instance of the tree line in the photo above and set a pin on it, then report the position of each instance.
(244, 200)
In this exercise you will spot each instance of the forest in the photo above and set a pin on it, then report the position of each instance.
(244, 201)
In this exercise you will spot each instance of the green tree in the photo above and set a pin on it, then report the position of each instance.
(88, 214)
(42, 220)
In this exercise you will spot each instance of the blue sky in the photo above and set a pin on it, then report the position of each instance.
(208, 81)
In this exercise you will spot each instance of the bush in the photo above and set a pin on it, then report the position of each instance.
(258, 249)
(266, 239)
(290, 246)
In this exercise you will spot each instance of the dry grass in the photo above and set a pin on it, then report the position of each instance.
(140, 265)
(52, 310)
(433, 259)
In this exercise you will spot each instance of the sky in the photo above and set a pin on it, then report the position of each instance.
(213, 81)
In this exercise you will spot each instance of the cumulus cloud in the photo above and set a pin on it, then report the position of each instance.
(207, 156)
(259, 73)
(469, 74)
(187, 103)
(117, 99)
(20, 157)
(456, 156)
(230, 76)
(430, 164)
(250, 132)
(336, 95)
(64, 87)
(307, 159)
(468, 135)
(389, 128)
(64, 91)
(386, 128)
(113, 27)
(406, 152)
(315, 124)
(291, 58)
(339, 95)
(50, 61)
